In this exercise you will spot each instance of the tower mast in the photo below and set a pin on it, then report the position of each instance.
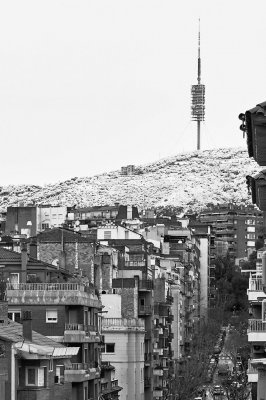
(198, 97)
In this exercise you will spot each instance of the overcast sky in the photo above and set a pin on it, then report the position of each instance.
(89, 86)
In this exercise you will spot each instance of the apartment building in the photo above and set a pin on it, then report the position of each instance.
(85, 218)
(32, 365)
(28, 220)
(257, 334)
(134, 286)
(109, 384)
(237, 227)
(63, 309)
(159, 281)
(128, 170)
(124, 346)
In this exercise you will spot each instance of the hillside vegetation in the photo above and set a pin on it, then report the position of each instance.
(188, 180)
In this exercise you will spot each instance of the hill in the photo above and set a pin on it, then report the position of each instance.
(188, 180)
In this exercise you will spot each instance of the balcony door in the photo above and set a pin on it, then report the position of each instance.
(14, 280)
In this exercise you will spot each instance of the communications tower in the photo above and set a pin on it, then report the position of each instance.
(198, 98)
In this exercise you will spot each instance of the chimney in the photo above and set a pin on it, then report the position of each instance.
(27, 325)
(33, 249)
(24, 261)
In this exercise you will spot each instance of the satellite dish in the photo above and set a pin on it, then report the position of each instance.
(77, 223)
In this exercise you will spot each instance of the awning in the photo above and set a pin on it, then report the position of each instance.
(32, 348)
(65, 351)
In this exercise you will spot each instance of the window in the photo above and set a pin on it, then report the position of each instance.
(104, 386)
(35, 376)
(45, 226)
(109, 348)
(51, 364)
(14, 315)
(59, 374)
(107, 234)
(51, 316)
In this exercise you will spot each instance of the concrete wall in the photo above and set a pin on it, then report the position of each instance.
(116, 232)
(128, 361)
(112, 304)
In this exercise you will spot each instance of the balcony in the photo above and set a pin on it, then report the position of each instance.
(158, 392)
(80, 333)
(33, 394)
(80, 372)
(145, 285)
(51, 294)
(158, 371)
(156, 333)
(148, 334)
(165, 353)
(135, 264)
(122, 324)
(169, 318)
(256, 330)
(252, 373)
(161, 309)
(169, 299)
(145, 310)
(255, 289)
(147, 358)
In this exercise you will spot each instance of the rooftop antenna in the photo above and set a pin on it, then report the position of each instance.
(198, 97)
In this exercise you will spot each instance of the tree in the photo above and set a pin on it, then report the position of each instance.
(236, 347)
(231, 285)
(192, 372)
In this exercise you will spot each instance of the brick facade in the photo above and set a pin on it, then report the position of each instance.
(76, 257)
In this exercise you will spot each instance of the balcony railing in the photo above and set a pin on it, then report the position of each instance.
(145, 310)
(145, 284)
(122, 322)
(79, 366)
(256, 325)
(80, 327)
(52, 294)
(161, 309)
(251, 369)
(49, 286)
(135, 264)
(255, 284)
(80, 372)
(114, 383)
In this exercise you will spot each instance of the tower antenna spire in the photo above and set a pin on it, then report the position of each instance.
(199, 60)
(198, 97)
